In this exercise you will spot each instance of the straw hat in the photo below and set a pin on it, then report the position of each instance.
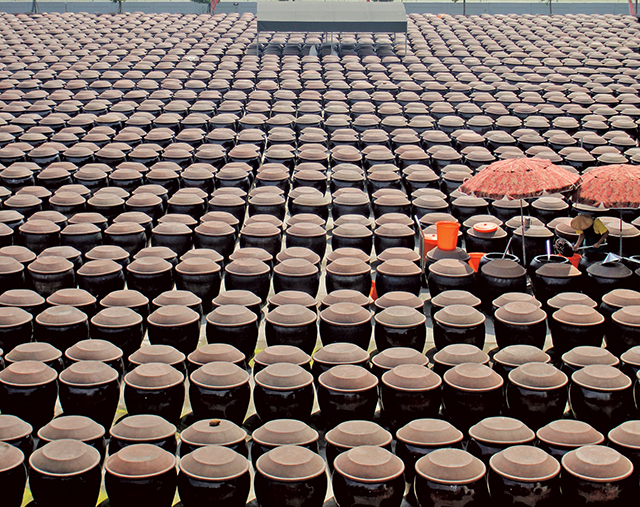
(582, 222)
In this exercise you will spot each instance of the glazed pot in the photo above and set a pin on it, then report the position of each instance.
(544, 260)
(509, 358)
(552, 279)
(120, 326)
(458, 324)
(141, 473)
(500, 276)
(130, 236)
(292, 324)
(150, 276)
(630, 362)
(520, 324)
(266, 236)
(352, 235)
(100, 277)
(400, 326)
(296, 274)
(494, 434)
(142, 429)
(82, 236)
(281, 354)
(624, 439)
(46, 275)
(65, 468)
(176, 236)
(393, 236)
(575, 325)
(75, 427)
(290, 476)
(338, 353)
(13, 474)
(248, 274)
(131, 299)
(623, 332)
(214, 475)
(398, 275)
(155, 388)
(450, 274)
(16, 327)
(199, 275)
(17, 433)
(218, 236)
(220, 390)
(455, 354)
(346, 322)
(175, 325)
(346, 392)
(486, 237)
(281, 432)
(283, 391)
(603, 277)
(524, 474)
(61, 326)
(307, 235)
(11, 273)
(615, 300)
(219, 432)
(584, 355)
(215, 352)
(235, 325)
(559, 437)
(348, 273)
(38, 235)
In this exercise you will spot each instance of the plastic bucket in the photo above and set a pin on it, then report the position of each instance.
(447, 234)
(430, 242)
(474, 260)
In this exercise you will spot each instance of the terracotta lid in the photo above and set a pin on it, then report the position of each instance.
(597, 463)
(157, 354)
(341, 353)
(203, 252)
(345, 314)
(429, 432)
(346, 296)
(628, 316)
(515, 297)
(214, 228)
(601, 378)
(283, 376)
(571, 298)
(450, 466)
(161, 252)
(614, 270)
(473, 377)
(296, 267)
(399, 298)
(88, 373)
(578, 315)
(503, 268)
(584, 355)
(397, 252)
(149, 265)
(71, 297)
(247, 267)
(64, 458)
(214, 463)
(411, 377)
(153, 376)
(626, 435)
(252, 252)
(291, 315)
(12, 316)
(451, 268)
(347, 378)
(99, 267)
(621, 298)
(125, 298)
(538, 376)
(520, 314)
(355, 433)
(75, 427)
(569, 433)
(219, 375)
(284, 432)
(516, 355)
(135, 428)
(94, 350)
(231, 315)
(502, 431)
(454, 297)
(59, 316)
(140, 461)
(348, 266)
(237, 297)
(213, 432)
(459, 316)
(458, 353)
(525, 463)
(212, 352)
(400, 317)
(395, 356)
(369, 464)
(290, 463)
(12, 427)
(39, 227)
(50, 265)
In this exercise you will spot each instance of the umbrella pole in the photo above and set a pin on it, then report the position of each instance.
(524, 260)
(620, 233)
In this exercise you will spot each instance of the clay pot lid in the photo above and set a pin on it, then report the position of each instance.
(345, 314)
(64, 458)
(347, 252)
(214, 463)
(520, 313)
(306, 230)
(515, 297)
(252, 252)
(203, 252)
(231, 315)
(75, 427)
(10, 457)
(140, 461)
(525, 463)
(39, 227)
(571, 298)
(149, 265)
(626, 435)
(290, 463)
(248, 266)
(578, 315)
(355, 433)
(261, 230)
(59, 316)
(473, 377)
(451, 268)
(554, 270)
(628, 316)
(213, 352)
(601, 377)
(399, 267)
(288, 297)
(157, 354)
(13, 428)
(621, 298)
(144, 427)
(50, 265)
(281, 432)
(219, 375)
(348, 266)
(283, 376)
(399, 298)
(347, 378)
(12, 316)
(213, 432)
(214, 228)
(282, 354)
(341, 353)
(369, 464)
(172, 229)
(93, 350)
(160, 252)
(291, 315)
(298, 252)
(597, 463)
(396, 356)
(429, 432)
(154, 376)
(450, 466)
(123, 228)
(124, 298)
(88, 373)
(198, 266)
(459, 316)
(502, 431)
(455, 297)
(400, 317)
(237, 297)
(503, 268)
(173, 315)
(393, 231)
(346, 296)
(458, 353)
(353, 231)
(516, 355)
(631, 356)
(569, 433)
(80, 229)
(99, 267)
(306, 218)
(614, 270)
(538, 376)
(582, 356)
(399, 252)
(411, 377)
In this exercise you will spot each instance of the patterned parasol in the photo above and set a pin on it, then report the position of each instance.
(610, 186)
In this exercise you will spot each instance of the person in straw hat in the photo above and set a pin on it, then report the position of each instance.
(592, 232)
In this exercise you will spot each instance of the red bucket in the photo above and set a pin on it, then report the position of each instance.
(447, 234)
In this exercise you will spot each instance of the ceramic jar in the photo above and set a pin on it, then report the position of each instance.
(624, 330)
(281, 432)
(494, 434)
(615, 300)
(450, 274)
(175, 325)
(212, 352)
(398, 275)
(338, 353)
(283, 391)
(500, 276)
(65, 469)
(456, 324)
(290, 475)
(561, 436)
(346, 322)
(141, 473)
(575, 325)
(281, 354)
(220, 390)
(213, 432)
(16, 327)
(11, 273)
(150, 276)
(550, 279)
(75, 427)
(46, 275)
(292, 324)
(624, 439)
(248, 274)
(348, 273)
(13, 475)
(235, 325)
(200, 275)
(119, 326)
(157, 354)
(400, 326)
(17, 433)
(296, 274)
(100, 277)
(509, 358)
(142, 429)
(526, 474)
(603, 277)
(455, 354)
(62, 326)
(520, 324)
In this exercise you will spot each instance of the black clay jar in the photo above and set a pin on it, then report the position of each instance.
(356, 433)
(564, 435)
(61, 326)
(471, 392)
(624, 439)
(175, 325)
(450, 477)
(220, 390)
(337, 353)
(16, 327)
(150, 275)
(142, 429)
(400, 326)
(120, 326)
(456, 324)
(368, 475)
(601, 396)
(520, 323)
(65, 469)
(17, 433)
(11, 273)
(213, 432)
(290, 476)
(347, 392)
(409, 392)
(155, 388)
(292, 324)
(551, 279)
(214, 475)
(212, 352)
(29, 390)
(348, 273)
(46, 275)
(283, 391)
(100, 277)
(235, 325)
(346, 322)
(450, 274)
(141, 473)
(524, 474)
(281, 432)
(91, 389)
(575, 325)
(398, 275)
(199, 275)
(623, 332)
(500, 276)
(13, 475)
(296, 274)
(248, 274)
